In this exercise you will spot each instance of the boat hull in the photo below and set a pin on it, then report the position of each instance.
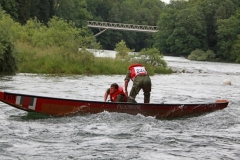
(64, 107)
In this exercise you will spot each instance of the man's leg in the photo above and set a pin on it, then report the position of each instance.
(135, 89)
(147, 85)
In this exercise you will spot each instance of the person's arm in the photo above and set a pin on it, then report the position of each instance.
(126, 86)
(106, 95)
(126, 80)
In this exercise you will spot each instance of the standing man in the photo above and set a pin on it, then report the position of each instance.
(141, 80)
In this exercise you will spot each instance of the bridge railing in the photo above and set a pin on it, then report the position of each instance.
(121, 26)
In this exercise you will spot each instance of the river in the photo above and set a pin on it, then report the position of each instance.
(119, 136)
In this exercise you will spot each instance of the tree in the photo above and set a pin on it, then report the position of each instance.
(24, 8)
(11, 7)
(129, 15)
(7, 51)
(92, 6)
(227, 32)
(150, 11)
(45, 10)
(139, 12)
(214, 10)
(153, 59)
(129, 11)
(189, 32)
(72, 10)
(122, 50)
(152, 56)
(27, 9)
(166, 25)
(235, 49)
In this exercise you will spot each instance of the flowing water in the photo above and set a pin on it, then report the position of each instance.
(116, 136)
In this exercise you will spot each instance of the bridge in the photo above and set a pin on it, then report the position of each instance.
(121, 26)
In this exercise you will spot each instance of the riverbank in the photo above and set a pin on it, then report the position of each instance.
(85, 62)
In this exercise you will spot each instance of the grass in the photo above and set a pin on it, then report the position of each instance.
(54, 60)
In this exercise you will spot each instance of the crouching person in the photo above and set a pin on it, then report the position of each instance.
(116, 93)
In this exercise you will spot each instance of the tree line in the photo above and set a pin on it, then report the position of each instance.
(54, 48)
(195, 28)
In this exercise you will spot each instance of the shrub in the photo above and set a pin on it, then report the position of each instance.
(122, 50)
(153, 59)
(7, 51)
(200, 55)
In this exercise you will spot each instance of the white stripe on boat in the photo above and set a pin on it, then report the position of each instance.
(33, 105)
(18, 100)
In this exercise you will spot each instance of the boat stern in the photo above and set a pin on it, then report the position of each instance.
(1, 95)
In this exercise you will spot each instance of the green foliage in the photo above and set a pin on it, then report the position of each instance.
(51, 60)
(166, 25)
(73, 10)
(180, 34)
(144, 12)
(153, 59)
(128, 10)
(41, 9)
(11, 7)
(11, 28)
(37, 60)
(48, 60)
(108, 66)
(53, 48)
(7, 50)
(205, 24)
(212, 11)
(200, 55)
(58, 33)
(183, 25)
(86, 57)
(151, 56)
(235, 49)
(122, 50)
(227, 32)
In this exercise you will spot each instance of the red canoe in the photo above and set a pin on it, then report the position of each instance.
(63, 107)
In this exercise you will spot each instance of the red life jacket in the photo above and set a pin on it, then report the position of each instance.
(137, 69)
(113, 96)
